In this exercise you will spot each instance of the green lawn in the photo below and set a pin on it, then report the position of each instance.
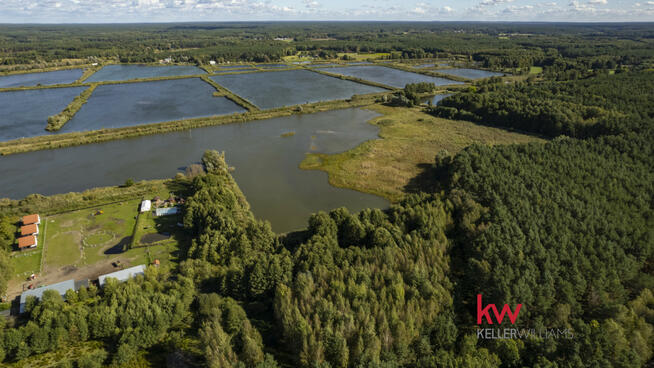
(535, 70)
(80, 237)
(27, 262)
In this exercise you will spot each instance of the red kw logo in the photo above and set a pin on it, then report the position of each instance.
(485, 312)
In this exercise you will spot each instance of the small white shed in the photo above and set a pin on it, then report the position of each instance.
(146, 205)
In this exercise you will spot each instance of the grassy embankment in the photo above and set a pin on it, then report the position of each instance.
(224, 92)
(27, 70)
(103, 135)
(410, 140)
(353, 79)
(353, 56)
(430, 73)
(55, 122)
(59, 203)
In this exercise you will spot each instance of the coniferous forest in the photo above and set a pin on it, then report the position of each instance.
(565, 228)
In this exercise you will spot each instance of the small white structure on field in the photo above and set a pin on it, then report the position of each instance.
(212, 62)
(146, 205)
(166, 211)
(123, 275)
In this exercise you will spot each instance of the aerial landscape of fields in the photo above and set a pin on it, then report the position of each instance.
(184, 192)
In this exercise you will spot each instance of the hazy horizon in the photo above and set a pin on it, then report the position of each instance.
(175, 11)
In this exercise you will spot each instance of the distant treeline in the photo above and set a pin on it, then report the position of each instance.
(601, 46)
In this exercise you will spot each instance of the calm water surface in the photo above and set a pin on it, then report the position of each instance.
(266, 163)
(389, 76)
(120, 105)
(46, 78)
(272, 66)
(470, 73)
(121, 72)
(235, 66)
(436, 99)
(25, 113)
(325, 65)
(235, 70)
(292, 87)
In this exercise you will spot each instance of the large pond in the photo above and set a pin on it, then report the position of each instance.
(235, 70)
(239, 66)
(324, 65)
(25, 113)
(121, 72)
(470, 73)
(120, 105)
(46, 78)
(273, 66)
(266, 163)
(389, 76)
(293, 87)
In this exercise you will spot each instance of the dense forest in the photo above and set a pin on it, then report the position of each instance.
(597, 105)
(565, 228)
(557, 46)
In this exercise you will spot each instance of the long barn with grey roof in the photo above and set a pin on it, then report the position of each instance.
(123, 275)
(60, 287)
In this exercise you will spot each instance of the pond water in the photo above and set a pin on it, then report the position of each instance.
(325, 65)
(121, 72)
(45, 78)
(435, 99)
(266, 164)
(272, 66)
(235, 66)
(389, 76)
(235, 70)
(120, 105)
(292, 87)
(470, 73)
(25, 113)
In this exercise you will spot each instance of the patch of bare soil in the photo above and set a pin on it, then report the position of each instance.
(90, 272)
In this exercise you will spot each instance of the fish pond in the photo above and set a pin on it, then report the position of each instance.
(122, 72)
(239, 66)
(120, 105)
(436, 99)
(25, 113)
(292, 87)
(273, 66)
(470, 73)
(389, 76)
(45, 78)
(265, 159)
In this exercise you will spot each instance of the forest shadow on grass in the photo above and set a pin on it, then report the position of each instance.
(120, 247)
(427, 181)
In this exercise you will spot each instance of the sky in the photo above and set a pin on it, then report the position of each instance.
(126, 11)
